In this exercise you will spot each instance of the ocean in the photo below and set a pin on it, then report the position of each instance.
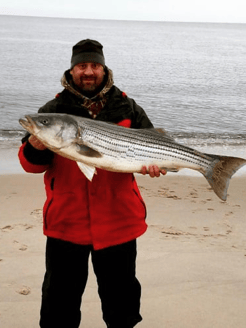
(189, 77)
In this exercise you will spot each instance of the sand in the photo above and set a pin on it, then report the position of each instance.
(191, 261)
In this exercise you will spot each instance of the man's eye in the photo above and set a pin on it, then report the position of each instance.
(95, 66)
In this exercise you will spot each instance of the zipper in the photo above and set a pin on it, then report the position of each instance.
(50, 202)
(52, 182)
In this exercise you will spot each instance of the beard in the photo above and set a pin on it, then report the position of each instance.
(88, 84)
(89, 89)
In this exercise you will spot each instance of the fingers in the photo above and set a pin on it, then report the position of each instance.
(163, 172)
(153, 171)
(144, 170)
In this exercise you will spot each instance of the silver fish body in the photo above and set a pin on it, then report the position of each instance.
(93, 143)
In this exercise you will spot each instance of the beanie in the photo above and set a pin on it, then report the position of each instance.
(87, 51)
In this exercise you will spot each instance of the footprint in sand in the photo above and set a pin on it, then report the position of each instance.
(173, 197)
(229, 213)
(194, 194)
(195, 228)
(28, 226)
(22, 247)
(7, 228)
(24, 290)
(37, 215)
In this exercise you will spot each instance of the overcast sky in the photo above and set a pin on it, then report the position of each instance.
(231, 11)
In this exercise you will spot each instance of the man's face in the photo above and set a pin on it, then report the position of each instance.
(87, 76)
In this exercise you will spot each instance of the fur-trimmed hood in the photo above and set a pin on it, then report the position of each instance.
(67, 83)
(98, 101)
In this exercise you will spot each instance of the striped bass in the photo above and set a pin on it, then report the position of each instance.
(96, 144)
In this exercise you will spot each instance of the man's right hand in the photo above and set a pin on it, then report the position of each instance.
(36, 143)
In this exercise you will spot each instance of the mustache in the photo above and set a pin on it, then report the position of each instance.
(88, 78)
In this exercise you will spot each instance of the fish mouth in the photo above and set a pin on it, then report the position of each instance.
(27, 123)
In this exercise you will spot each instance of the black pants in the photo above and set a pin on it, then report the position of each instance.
(66, 276)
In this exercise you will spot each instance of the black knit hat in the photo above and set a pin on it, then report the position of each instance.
(87, 51)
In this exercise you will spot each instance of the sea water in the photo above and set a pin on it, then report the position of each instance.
(190, 78)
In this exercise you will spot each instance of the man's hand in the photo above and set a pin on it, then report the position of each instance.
(36, 143)
(153, 171)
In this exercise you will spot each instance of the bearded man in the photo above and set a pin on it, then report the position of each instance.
(102, 218)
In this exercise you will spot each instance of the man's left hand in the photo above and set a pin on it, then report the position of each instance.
(153, 171)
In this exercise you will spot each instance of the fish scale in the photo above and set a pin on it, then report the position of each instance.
(95, 144)
(158, 149)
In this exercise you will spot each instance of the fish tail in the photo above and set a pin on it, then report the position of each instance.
(220, 172)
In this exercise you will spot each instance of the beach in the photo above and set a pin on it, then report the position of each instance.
(190, 80)
(191, 261)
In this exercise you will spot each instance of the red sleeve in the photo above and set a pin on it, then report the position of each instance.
(28, 166)
(126, 123)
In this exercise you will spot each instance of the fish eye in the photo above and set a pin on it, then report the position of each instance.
(44, 121)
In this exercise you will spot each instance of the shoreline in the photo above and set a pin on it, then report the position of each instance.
(9, 163)
(191, 261)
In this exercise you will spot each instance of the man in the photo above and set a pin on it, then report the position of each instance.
(101, 218)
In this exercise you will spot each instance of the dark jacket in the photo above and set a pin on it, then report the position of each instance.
(105, 212)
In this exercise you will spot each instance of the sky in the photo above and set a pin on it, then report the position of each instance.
(221, 11)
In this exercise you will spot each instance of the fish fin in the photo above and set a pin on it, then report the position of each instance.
(160, 131)
(220, 173)
(88, 170)
(87, 151)
(173, 169)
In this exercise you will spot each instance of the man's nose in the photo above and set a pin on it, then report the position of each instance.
(88, 71)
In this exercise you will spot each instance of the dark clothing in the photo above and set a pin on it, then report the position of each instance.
(117, 108)
(66, 277)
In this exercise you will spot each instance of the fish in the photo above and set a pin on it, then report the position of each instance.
(97, 144)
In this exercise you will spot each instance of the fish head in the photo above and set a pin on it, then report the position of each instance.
(56, 131)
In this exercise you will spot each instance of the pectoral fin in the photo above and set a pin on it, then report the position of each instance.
(88, 170)
(87, 151)
(173, 169)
